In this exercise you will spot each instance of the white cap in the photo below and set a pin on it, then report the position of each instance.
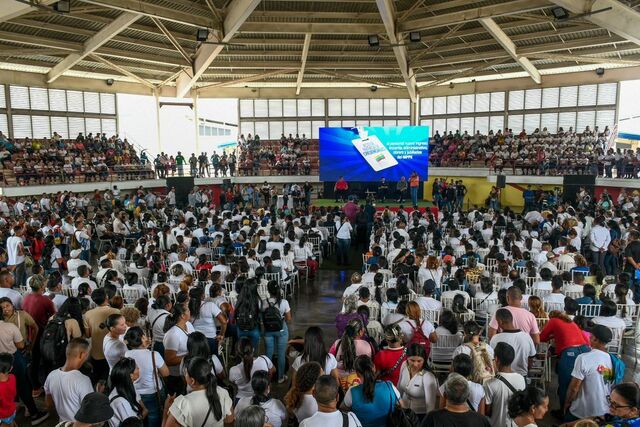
(75, 253)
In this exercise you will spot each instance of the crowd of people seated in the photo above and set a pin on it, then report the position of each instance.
(83, 159)
(180, 316)
(538, 153)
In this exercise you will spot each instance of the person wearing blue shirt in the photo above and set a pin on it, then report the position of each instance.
(372, 401)
(529, 199)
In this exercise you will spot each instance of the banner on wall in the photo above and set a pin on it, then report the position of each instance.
(371, 153)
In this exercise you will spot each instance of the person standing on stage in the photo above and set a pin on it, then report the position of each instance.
(340, 189)
(382, 190)
(402, 189)
(414, 184)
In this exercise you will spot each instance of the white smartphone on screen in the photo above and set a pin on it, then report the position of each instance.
(374, 151)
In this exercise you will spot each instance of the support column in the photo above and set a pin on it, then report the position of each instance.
(156, 94)
(196, 121)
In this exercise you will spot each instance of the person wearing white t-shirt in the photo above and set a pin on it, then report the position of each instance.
(326, 394)
(16, 255)
(343, 236)
(123, 398)
(6, 284)
(273, 408)
(152, 367)
(463, 364)
(177, 327)
(66, 387)
(195, 409)
(498, 390)
(591, 378)
(250, 365)
(608, 317)
(205, 315)
(113, 348)
(520, 341)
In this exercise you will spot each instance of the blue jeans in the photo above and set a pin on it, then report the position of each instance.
(254, 335)
(277, 341)
(565, 367)
(23, 384)
(159, 347)
(154, 419)
(414, 195)
(213, 345)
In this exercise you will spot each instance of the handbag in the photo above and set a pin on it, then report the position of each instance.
(399, 416)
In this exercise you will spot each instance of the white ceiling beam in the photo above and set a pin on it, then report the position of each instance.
(586, 59)
(388, 14)
(311, 27)
(252, 78)
(452, 18)
(100, 38)
(236, 15)
(172, 39)
(503, 39)
(305, 53)
(621, 19)
(122, 70)
(157, 11)
(14, 9)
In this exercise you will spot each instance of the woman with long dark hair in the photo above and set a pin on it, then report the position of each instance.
(371, 400)
(261, 386)
(52, 259)
(417, 383)
(157, 316)
(177, 328)
(348, 348)
(247, 312)
(151, 366)
(299, 400)
(242, 373)
(208, 405)
(197, 346)
(314, 350)
(528, 405)
(204, 313)
(123, 396)
(276, 340)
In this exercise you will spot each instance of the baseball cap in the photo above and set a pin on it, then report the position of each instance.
(94, 409)
(602, 333)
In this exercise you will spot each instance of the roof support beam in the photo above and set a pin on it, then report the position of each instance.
(586, 59)
(14, 9)
(503, 39)
(441, 20)
(388, 14)
(305, 53)
(311, 27)
(236, 15)
(157, 11)
(621, 20)
(250, 78)
(100, 38)
(172, 39)
(122, 70)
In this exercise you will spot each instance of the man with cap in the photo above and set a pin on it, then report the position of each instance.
(428, 302)
(592, 377)
(75, 262)
(94, 411)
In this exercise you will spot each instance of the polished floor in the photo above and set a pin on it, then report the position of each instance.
(318, 302)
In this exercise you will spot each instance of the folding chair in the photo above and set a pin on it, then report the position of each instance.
(432, 316)
(590, 310)
(539, 366)
(441, 353)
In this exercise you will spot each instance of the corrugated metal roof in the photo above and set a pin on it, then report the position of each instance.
(143, 49)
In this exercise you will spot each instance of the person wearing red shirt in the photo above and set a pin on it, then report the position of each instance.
(569, 343)
(41, 309)
(414, 184)
(389, 360)
(340, 189)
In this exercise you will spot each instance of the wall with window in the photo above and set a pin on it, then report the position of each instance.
(554, 107)
(270, 118)
(36, 112)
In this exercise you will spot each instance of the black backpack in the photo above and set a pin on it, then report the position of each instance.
(53, 343)
(272, 319)
(246, 320)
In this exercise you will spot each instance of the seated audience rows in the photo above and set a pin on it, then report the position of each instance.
(451, 320)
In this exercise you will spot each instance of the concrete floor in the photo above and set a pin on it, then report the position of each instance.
(317, 304)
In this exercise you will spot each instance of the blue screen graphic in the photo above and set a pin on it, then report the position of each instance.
(370, 153)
